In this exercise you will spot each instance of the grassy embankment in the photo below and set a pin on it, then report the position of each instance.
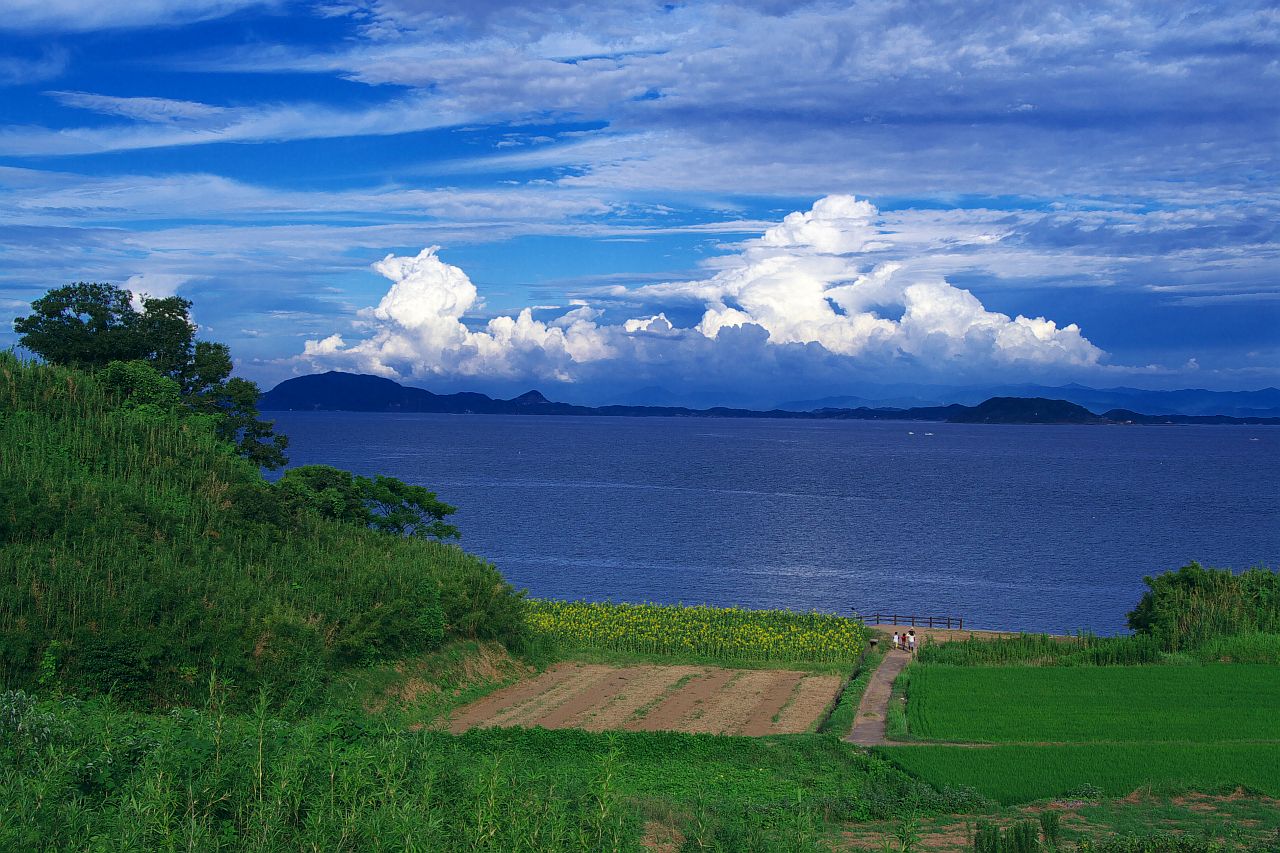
(141, 556)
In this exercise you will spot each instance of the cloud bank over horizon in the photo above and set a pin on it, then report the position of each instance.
(814, 281)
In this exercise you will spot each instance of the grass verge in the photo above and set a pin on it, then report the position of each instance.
(840, 720)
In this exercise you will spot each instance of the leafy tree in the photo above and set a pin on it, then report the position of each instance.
(327, 491)
(91, 325)
(383, 503)
(406, 510)
(83, 325)
(167, 334)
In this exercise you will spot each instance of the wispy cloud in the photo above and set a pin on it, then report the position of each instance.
(86, 15)
(156, 110)
(156, 128)
(22, 71)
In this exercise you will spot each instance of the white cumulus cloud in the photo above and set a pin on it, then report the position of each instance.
(418, 330)
(818, 277)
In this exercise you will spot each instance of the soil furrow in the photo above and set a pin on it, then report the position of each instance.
(600, 693)
(481, 710)
(583, 679)
(760, 721)
(647, 687)
(813, 694)
(729, 710)
(668, 715)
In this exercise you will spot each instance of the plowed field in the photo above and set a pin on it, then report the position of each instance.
(652, 698)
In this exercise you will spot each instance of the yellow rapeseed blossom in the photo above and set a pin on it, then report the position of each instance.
(729, 632)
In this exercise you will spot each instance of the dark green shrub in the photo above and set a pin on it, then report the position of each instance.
(1189, 607)
(1051, 827)
(1020, 837)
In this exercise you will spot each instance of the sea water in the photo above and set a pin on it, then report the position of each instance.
(1044, 528)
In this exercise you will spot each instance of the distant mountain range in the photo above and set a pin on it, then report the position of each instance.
(336, 391)
(1263, 403)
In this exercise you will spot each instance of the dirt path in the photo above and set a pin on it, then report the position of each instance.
(868, 725)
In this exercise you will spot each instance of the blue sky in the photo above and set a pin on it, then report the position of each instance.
(738, 203)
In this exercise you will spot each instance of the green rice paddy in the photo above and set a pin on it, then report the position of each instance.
(1198, 704)
(1064, 732)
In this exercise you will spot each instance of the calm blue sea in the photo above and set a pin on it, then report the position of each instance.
(1035, 527)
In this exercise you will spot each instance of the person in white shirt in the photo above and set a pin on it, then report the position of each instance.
(896, 642)
(911, 642)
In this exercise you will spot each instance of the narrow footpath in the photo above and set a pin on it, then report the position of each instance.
(868, 725)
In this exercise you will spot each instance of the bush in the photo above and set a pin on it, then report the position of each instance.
(1194, 605)
(1020, 837)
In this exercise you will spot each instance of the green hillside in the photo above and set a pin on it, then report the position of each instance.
(141, 556)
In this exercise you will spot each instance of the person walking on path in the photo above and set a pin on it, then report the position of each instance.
(911, 642)
(896, 645)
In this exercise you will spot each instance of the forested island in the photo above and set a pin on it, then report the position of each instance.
(353, 392)
(195, 656)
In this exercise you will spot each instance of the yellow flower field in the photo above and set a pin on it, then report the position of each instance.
(730, 633)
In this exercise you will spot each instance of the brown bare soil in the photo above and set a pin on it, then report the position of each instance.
(771, 703)
(584, 679)
(689, 702)
(654, 698)
(813, 695)
(734, 704)
(647, 685)
(477, 713)
(662, 837)
(567, 714)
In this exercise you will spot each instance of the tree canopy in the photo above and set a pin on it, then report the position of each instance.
(383, 503)
(89, 325)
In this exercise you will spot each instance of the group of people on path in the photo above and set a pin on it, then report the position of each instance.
(906, 642)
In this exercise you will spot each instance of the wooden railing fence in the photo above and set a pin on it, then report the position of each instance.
(915, 621)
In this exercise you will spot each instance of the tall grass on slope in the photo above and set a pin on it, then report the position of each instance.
(139, 553)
